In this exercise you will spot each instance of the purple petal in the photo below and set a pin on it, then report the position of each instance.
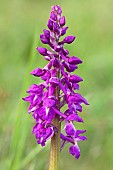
(70, 129)
(51, 91)
(80, 138)
(54, 81)
(74, 117)
(53, 72)
(59, 113)
(65, 52)
(48, 66)
(31, 108)
(56, 28)
(75, 79)
(65, 138)
(77, 98)
(69, 39)
(50, 24)
(75, 151)
(47, 34)
(78, 132)
(36, 128)
(57, 48)
(80, 97)
(56, 63)
(31, 88)
(46, 76)
(53, 16)
(27, 99)
(40, 111)
(63, 143)
(62, 21)
(44, 39)
(38, 72)
(63, 31)
(50, 115)
(76, 86)
(49, 102)
(74, 60)
(57, 9)
(36, 89)
(49, 133)
(79, 107)
(42, 51)
(69, 67)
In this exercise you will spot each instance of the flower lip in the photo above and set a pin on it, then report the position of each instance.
(75, 151)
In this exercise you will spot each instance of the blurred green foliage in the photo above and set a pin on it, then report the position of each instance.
(21, 22)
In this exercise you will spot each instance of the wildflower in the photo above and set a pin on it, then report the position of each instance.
(57, 88)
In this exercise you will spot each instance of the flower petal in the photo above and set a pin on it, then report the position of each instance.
(69, 39)
(70, 129)
(74, 60)
(63, 31)
(62, 21)
(38, 72)
(74, 117)
(42, 51)
(75, 151)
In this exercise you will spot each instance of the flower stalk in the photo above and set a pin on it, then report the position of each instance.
(55, 140)
(55, 146)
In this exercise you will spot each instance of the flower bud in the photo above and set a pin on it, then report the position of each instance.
(42, 51)
(53, 16)
(63, 31)
(50, 24)
(44, 39)
(69, 39)
(62, 21)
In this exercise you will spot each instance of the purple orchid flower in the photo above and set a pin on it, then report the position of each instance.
(44, 103)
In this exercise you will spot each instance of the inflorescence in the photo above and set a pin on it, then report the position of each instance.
(57, 78)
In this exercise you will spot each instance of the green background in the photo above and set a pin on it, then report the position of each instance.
(21, 22)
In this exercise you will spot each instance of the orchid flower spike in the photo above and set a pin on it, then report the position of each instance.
(59, 87)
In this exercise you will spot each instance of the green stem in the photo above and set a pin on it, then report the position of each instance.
(55, 140)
